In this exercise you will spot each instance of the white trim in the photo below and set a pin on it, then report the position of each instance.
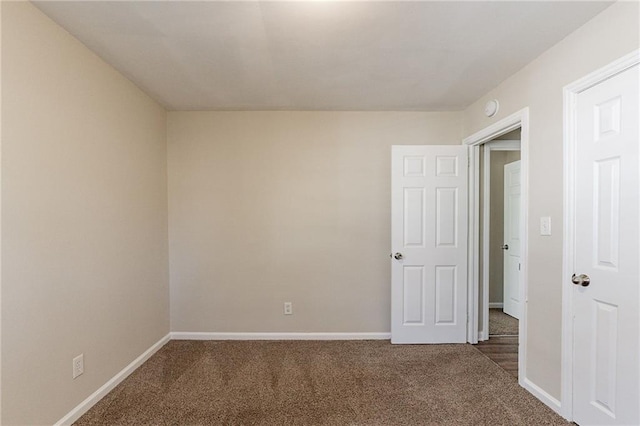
(496, 305)
(503, 145)
(85, 405)
(570, 93)
(543, 396)
(497, 129)
(507, 124)
(185, 335)
(500, 145)
(0, 219)
(473, 242)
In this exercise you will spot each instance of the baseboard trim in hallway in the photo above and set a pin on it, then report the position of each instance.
(180, 335)
(86, 405)
(543, 396)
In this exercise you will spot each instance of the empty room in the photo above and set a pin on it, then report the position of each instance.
(319, 212)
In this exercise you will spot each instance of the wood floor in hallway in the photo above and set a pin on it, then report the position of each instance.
(503, 350)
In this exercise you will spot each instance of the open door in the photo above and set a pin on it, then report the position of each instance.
(512, 241)
(429, 244)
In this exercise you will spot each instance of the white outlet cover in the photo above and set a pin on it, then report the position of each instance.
(545, 226)
(78, 365)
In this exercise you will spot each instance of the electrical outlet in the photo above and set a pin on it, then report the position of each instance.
(78, 365)
(288, 308)
(545, 226)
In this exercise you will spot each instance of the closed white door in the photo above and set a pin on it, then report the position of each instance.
(606, 355)
(429, 244)
(511, 247)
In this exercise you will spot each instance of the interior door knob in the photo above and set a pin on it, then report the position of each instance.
(505, 247)
(582, 279)
(398, 256)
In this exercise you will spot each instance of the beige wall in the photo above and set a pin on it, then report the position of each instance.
(265, 207)
(268, 207)
(84, 242)
(608, 36)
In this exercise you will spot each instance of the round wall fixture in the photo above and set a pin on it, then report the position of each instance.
(491, 108)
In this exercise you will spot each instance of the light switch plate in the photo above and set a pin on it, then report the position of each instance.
(545, 225)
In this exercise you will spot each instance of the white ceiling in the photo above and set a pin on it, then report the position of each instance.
(318, 55)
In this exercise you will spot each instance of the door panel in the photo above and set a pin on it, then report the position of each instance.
(429, 229)
(413, 295)
(414, 205)
(607, 211)
(606, 353)
(446, 217)
(446, 285)
(511, 276)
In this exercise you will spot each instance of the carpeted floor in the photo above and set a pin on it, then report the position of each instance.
(501, 324)
(319, 383)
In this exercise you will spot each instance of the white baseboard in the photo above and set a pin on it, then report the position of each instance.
(496, 305)
(542, 395)
(85, 405)
(183, 335)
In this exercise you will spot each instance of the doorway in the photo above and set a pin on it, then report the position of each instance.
(500, 193)
(479, 143)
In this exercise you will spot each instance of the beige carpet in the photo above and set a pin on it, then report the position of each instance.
(319, 383)
(501, 324)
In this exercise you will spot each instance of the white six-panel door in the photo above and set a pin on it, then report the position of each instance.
(511, 248)
(429, 244)
(606, 355)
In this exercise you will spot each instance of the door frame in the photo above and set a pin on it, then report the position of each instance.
(570, 94)
(519, 119)
(496, 145)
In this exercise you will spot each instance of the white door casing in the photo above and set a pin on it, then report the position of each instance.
(606, 320)
(429, 231)
(512, 302)
(485, 244)
(519, 119)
